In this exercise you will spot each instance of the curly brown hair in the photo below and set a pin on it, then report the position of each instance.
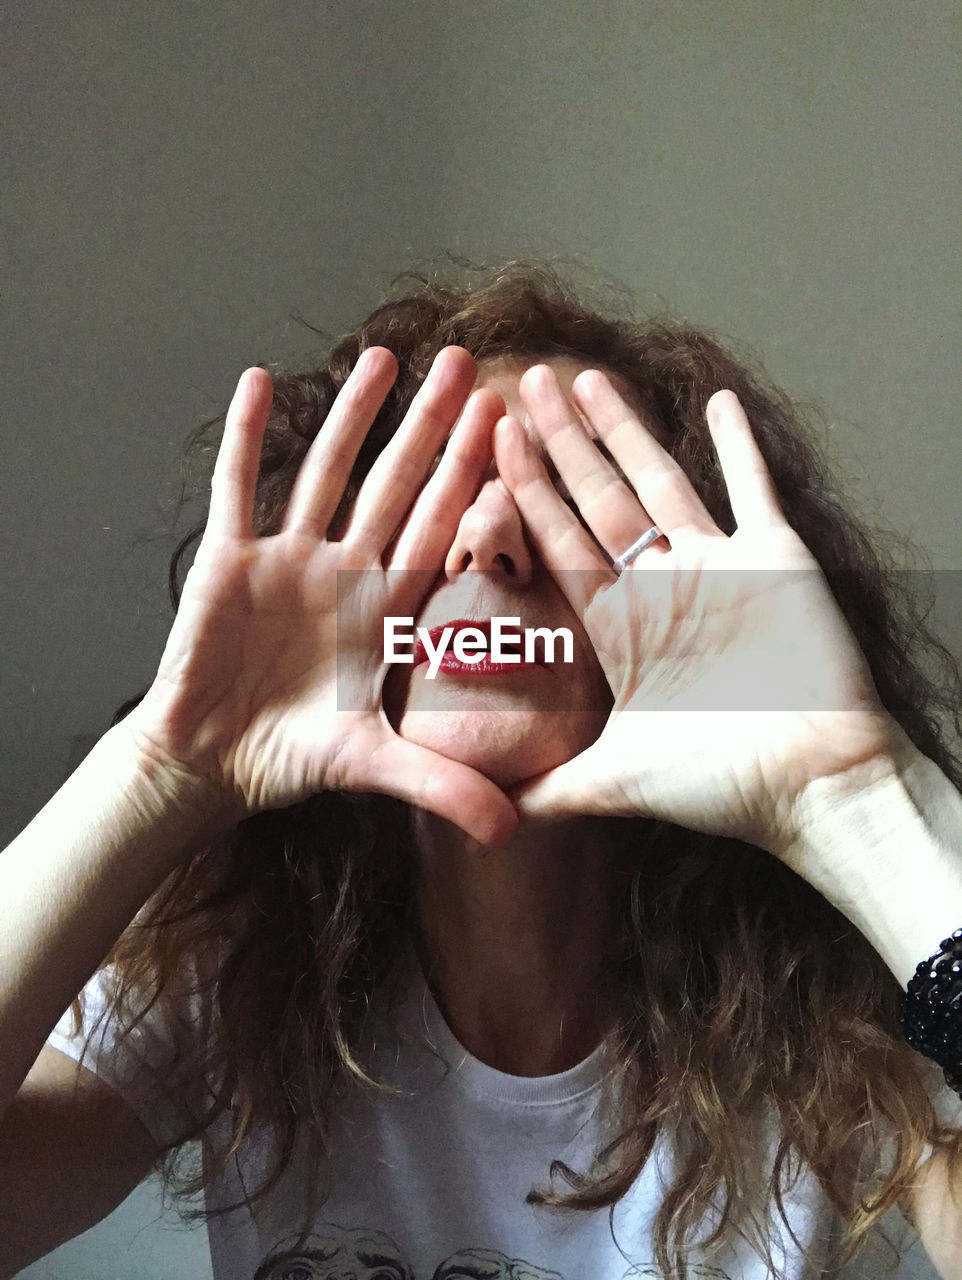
(742, 996)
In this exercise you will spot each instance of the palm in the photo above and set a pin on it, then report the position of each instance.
(253, 660)
(739, 683)
(735, 677)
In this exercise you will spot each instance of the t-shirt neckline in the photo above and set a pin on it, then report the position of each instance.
(481, 1080)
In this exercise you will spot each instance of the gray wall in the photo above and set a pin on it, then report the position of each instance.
(184, 177)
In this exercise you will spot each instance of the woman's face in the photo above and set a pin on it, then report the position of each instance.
(512, 724)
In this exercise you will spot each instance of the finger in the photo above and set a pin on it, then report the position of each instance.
(606, 503)
(563, 544)
(397, 476)
(751, 490)
(580, 786)
(447, 788)
(234, 482)
(327, 466)
(433, 521)
(664, 490)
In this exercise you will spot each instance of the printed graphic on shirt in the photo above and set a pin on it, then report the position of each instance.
(489, 1264)
(333, 1252)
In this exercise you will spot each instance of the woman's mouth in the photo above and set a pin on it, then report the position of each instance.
(465, 637)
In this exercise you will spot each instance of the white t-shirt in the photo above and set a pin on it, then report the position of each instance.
(431, 1184)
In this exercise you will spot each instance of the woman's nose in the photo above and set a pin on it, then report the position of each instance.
(490, 537)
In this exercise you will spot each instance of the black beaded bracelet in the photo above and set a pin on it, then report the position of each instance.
(932, 1010)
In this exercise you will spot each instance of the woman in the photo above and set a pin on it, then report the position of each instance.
(567, 969)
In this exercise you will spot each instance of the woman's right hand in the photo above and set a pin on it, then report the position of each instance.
(246, 701)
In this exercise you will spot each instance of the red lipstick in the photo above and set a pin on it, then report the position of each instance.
(485, 666)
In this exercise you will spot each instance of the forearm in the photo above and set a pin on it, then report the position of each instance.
(886, 849)
(74, 879)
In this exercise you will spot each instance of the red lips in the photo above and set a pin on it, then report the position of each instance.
(459, 624)
(484, 666)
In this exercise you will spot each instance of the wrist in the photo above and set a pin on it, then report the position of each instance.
(161, 794)
(883, 843)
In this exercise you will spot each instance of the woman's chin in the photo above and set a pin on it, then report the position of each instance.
(506, 746)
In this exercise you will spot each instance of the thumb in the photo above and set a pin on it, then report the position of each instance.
(447, 788)
(583, 785)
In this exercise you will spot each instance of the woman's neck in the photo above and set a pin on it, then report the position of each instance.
(511, 939)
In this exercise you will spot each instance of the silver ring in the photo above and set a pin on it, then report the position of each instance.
(634, 551)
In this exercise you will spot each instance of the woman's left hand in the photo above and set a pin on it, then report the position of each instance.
(735, 676)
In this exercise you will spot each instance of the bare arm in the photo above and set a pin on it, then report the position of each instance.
(70, 1148)
(70, 1151)
(935, 1207)
(887, 851)
(75, 878)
